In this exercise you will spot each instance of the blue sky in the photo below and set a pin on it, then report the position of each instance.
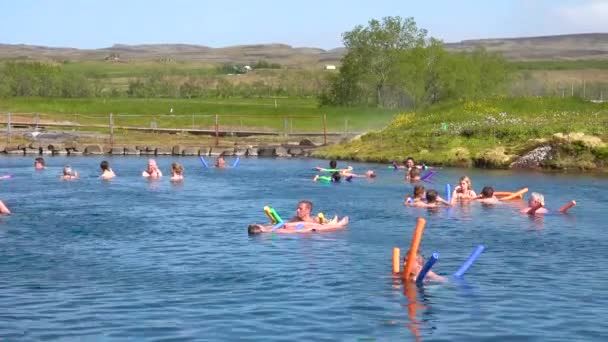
(312, 23)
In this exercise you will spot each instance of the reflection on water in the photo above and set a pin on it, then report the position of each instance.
(133, 259)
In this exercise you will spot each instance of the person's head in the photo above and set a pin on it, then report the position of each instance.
(536, 198)
(104, 165)
(177, 168)
(220, 161)
(151, 164)
(370, 174)
(254, 229)
(465, 183)
(333, 164)
(67, 170)
(304, 209)
(487, 192)
(39, 163)
(335, 177)
(431, 196)
(414, 174)
(410, 163)
(418, 191)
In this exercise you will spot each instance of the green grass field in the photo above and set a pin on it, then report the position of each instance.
(301, 114)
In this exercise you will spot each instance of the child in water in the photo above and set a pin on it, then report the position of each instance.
(177, 172)
(106, 171)
(432, 200)
(418, 197)
(418, 265)
(68, 173)
(487, 196)
(220, 163)
(39, 163)
(414, 175)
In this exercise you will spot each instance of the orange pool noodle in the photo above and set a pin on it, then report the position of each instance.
(414, 247)
(396, 260)
(502, 193)
(567, 206)
(516, 194)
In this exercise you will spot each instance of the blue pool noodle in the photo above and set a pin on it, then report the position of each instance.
(448, 192)
(426, 268)
(395, 166)
(236, 162)
(299, 226)
(204, 162)
(469, 261)
(278, 225)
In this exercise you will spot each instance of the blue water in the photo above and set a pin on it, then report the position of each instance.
(133, 259)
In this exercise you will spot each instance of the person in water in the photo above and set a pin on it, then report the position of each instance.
(106, 171)
(418, 265)
(416, 198)
(300, 227)
(4, 209)
(303, 211)
(334, 178)
(220, 163)
(333, 166)
(487, 196)
(536, 205)
(39, 163)
(68, 173)
(464, 190)
(177, 172)
(433, 200)
(413, 175)
(348, 173)
(152, 171)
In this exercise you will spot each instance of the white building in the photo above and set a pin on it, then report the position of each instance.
(330, 67)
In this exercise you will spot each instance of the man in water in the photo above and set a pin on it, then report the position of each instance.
(39, 163)
(303, 212)
(220, 163)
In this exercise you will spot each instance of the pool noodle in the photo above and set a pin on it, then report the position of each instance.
(426, 268)
(269, 214)
(236, 162)
(396, 260)
(277, 226)
(414, 247)
(567, 206)
(275, 215)
(204, 162)
(395, 166)
(324, 179)
(515, 194)
(469, 261)
(428, 175)
(330, 170)
(448, 192)
(299, 226)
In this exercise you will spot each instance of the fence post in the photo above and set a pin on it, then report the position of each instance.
(324, 129)
(217, 134)
(111, 129)
(8, 128)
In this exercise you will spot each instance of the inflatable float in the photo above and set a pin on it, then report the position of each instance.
(298, 227)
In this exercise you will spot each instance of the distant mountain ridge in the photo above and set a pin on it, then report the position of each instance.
(574, 46)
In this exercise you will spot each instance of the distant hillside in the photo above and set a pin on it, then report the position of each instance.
(577, 46)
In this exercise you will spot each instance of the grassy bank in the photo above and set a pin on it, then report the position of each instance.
(488, 133)
(247, 113)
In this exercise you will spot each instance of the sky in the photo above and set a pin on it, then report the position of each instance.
(304, 23)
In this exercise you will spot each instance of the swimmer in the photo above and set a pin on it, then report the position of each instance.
(418, 265)
(335, 178)
(413, 176)
(4, 209)
(417, 197)
(152, 171)
(464, 190)
(106, 171)
(333, 165)
(368, 174)
(536, 205)
(39, 163)
(69, 174)
(433, 200)
(220, 163)
(300, 227)
(303, 213)
(177, 172)
(487, 196)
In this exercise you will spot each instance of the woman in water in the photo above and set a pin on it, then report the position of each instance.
(152, 171)
(106, 171)
(464, 190)
(177, 172)
(68, 173)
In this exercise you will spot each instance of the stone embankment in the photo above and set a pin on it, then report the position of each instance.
(302, 149)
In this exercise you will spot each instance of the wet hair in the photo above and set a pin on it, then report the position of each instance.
(40, 160)
(468, 181)
(538, 197)
(431, 196)
(254, 229)
(487, 191)
(335, 177)
(333, 164)
(408, 159)
(414, 173)
(177, 168)
(307, 203)
(104, 165)
(418, 191)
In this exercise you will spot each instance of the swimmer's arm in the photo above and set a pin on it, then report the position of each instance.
(444, 202)
(4, 209)
(567, 207)
(533, 210)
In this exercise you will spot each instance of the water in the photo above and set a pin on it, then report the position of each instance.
(134, 259)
